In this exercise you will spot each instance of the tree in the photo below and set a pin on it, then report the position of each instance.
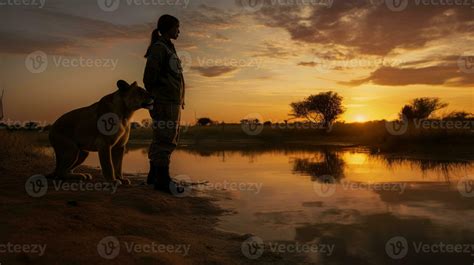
(250, 121)
(421, 108)
(204, 121)
(459, 115)
(324, 107)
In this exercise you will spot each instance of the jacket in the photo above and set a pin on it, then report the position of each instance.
(163, 76)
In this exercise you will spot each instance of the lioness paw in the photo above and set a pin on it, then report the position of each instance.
(126, 181)
(87, 176)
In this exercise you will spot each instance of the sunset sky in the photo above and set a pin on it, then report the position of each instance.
(241, 60)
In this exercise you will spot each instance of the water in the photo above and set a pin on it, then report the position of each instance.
(333, 195)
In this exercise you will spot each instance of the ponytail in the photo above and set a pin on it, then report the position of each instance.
(154, 38)
(165, 23)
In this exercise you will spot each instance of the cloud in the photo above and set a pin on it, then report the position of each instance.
(368, 29)
(60, 33)
(214, 71)
(308, 64)
(60, 30)
(221, 37)
(447, 75)
(275, 49)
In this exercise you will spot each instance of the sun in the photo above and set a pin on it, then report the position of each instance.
(360, 118)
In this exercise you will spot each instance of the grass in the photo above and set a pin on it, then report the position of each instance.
(21, 150)
(372, 134)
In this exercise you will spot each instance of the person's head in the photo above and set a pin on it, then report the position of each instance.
(168, 27)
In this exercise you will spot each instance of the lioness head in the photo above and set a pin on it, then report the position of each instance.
(134, 96)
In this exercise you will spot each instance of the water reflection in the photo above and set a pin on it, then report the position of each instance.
(358, 221)
(325, 163)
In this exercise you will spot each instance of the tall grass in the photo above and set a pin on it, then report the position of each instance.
(20, 151)
(370, 133)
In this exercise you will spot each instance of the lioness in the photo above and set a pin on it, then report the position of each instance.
(103, 127)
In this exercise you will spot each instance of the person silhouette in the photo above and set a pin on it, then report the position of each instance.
(163, 78)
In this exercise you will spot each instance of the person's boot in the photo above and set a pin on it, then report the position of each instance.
(151, 175)
(163, 179)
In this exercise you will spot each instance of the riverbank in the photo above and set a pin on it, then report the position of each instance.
(72, 220)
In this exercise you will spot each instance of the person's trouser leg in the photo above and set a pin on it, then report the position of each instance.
(166, 119)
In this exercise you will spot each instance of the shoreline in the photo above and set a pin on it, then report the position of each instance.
(72, 224)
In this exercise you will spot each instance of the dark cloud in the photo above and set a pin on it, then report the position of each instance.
(366, 28)
(273, 50)
(221, 37)
(448, 75)
(59, 33)
(57, 30)
(214, 71)
(308, 64)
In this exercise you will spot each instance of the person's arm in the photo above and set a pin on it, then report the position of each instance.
(184, 93)
(153, 67)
